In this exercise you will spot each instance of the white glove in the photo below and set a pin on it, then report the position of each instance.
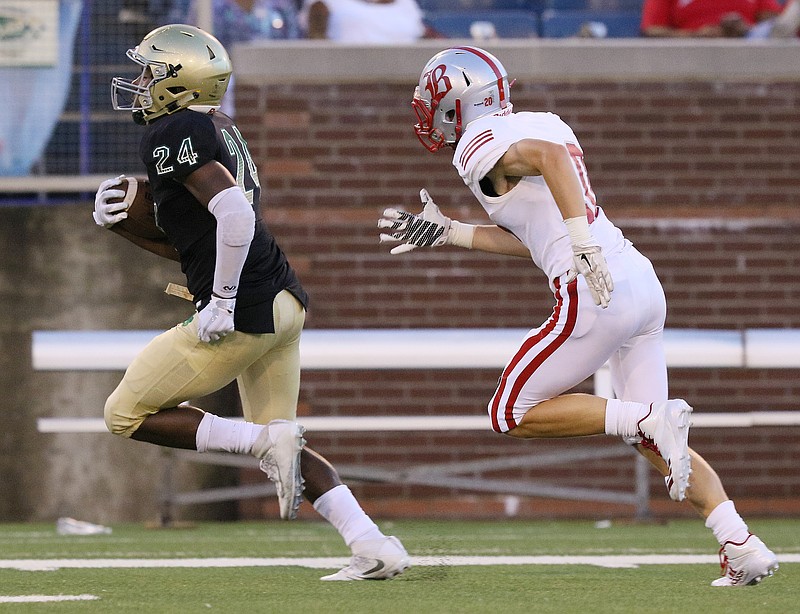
(430, 228)
(427, 229)
(589, 261)
(215, 320)
(107, 214)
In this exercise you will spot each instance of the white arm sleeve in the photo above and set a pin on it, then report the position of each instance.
(235, 229)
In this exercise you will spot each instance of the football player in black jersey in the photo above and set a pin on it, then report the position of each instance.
(250, 304)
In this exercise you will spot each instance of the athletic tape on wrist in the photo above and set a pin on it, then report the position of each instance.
(461, 234)
(578, 229)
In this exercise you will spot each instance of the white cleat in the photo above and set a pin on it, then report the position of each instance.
(377, 559)
(746, 563)
(666, 428)
(278, 446)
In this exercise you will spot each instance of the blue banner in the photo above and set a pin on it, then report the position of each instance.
(35, 94)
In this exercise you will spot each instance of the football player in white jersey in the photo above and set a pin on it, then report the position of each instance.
(527, 171)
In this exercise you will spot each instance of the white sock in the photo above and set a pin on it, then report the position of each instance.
(622, 417)
(726, 524)
(217, 434)
(339, 507)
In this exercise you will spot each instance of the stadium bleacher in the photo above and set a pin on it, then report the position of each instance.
(594, 23)
(472, 5)
(505, 23)
(594, 5)
(534, 18)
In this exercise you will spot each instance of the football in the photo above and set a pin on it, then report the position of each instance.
(141, 220)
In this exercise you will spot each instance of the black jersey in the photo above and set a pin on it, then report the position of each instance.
(174, 146)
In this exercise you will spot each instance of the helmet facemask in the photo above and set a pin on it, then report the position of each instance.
(433, 138)
(135, 95)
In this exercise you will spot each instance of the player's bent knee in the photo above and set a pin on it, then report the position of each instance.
(118, 417)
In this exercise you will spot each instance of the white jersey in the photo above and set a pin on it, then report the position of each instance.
(529, 210)
(579, 337)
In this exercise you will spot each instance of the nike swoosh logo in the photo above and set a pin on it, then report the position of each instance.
(375, 569)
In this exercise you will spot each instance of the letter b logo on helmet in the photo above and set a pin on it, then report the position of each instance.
(438, 83)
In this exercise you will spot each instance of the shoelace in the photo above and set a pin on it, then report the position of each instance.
(723, 560)
(649, 443)
(727, 570)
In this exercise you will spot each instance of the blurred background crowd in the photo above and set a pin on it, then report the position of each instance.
(63, 106)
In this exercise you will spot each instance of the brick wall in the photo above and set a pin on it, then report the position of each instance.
(701, 177)
(680, 146)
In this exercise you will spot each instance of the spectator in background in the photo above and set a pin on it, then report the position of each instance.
(707, 18)
(138, 17)
(787, 24)
(238, 21)
(364, 21)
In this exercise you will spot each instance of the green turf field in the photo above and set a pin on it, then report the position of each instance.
(232, 568)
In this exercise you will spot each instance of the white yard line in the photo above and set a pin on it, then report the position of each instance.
(45, 598)
(612, 561)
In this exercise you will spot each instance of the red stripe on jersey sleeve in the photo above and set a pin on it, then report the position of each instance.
(474, 145)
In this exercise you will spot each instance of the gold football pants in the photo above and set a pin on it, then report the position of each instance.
(176, 367)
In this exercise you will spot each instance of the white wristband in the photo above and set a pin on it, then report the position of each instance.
(461, 234)
(578, 229)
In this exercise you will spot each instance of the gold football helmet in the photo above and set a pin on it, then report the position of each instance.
(181, 65)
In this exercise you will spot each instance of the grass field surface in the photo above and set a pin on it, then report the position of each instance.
(459, 567)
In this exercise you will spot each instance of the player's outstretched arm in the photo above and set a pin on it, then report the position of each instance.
(497, 240)
(431, 228)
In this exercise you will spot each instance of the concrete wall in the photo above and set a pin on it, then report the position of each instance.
(60, 271)
(692, 149)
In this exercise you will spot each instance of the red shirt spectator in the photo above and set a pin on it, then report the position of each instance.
(710, 18)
